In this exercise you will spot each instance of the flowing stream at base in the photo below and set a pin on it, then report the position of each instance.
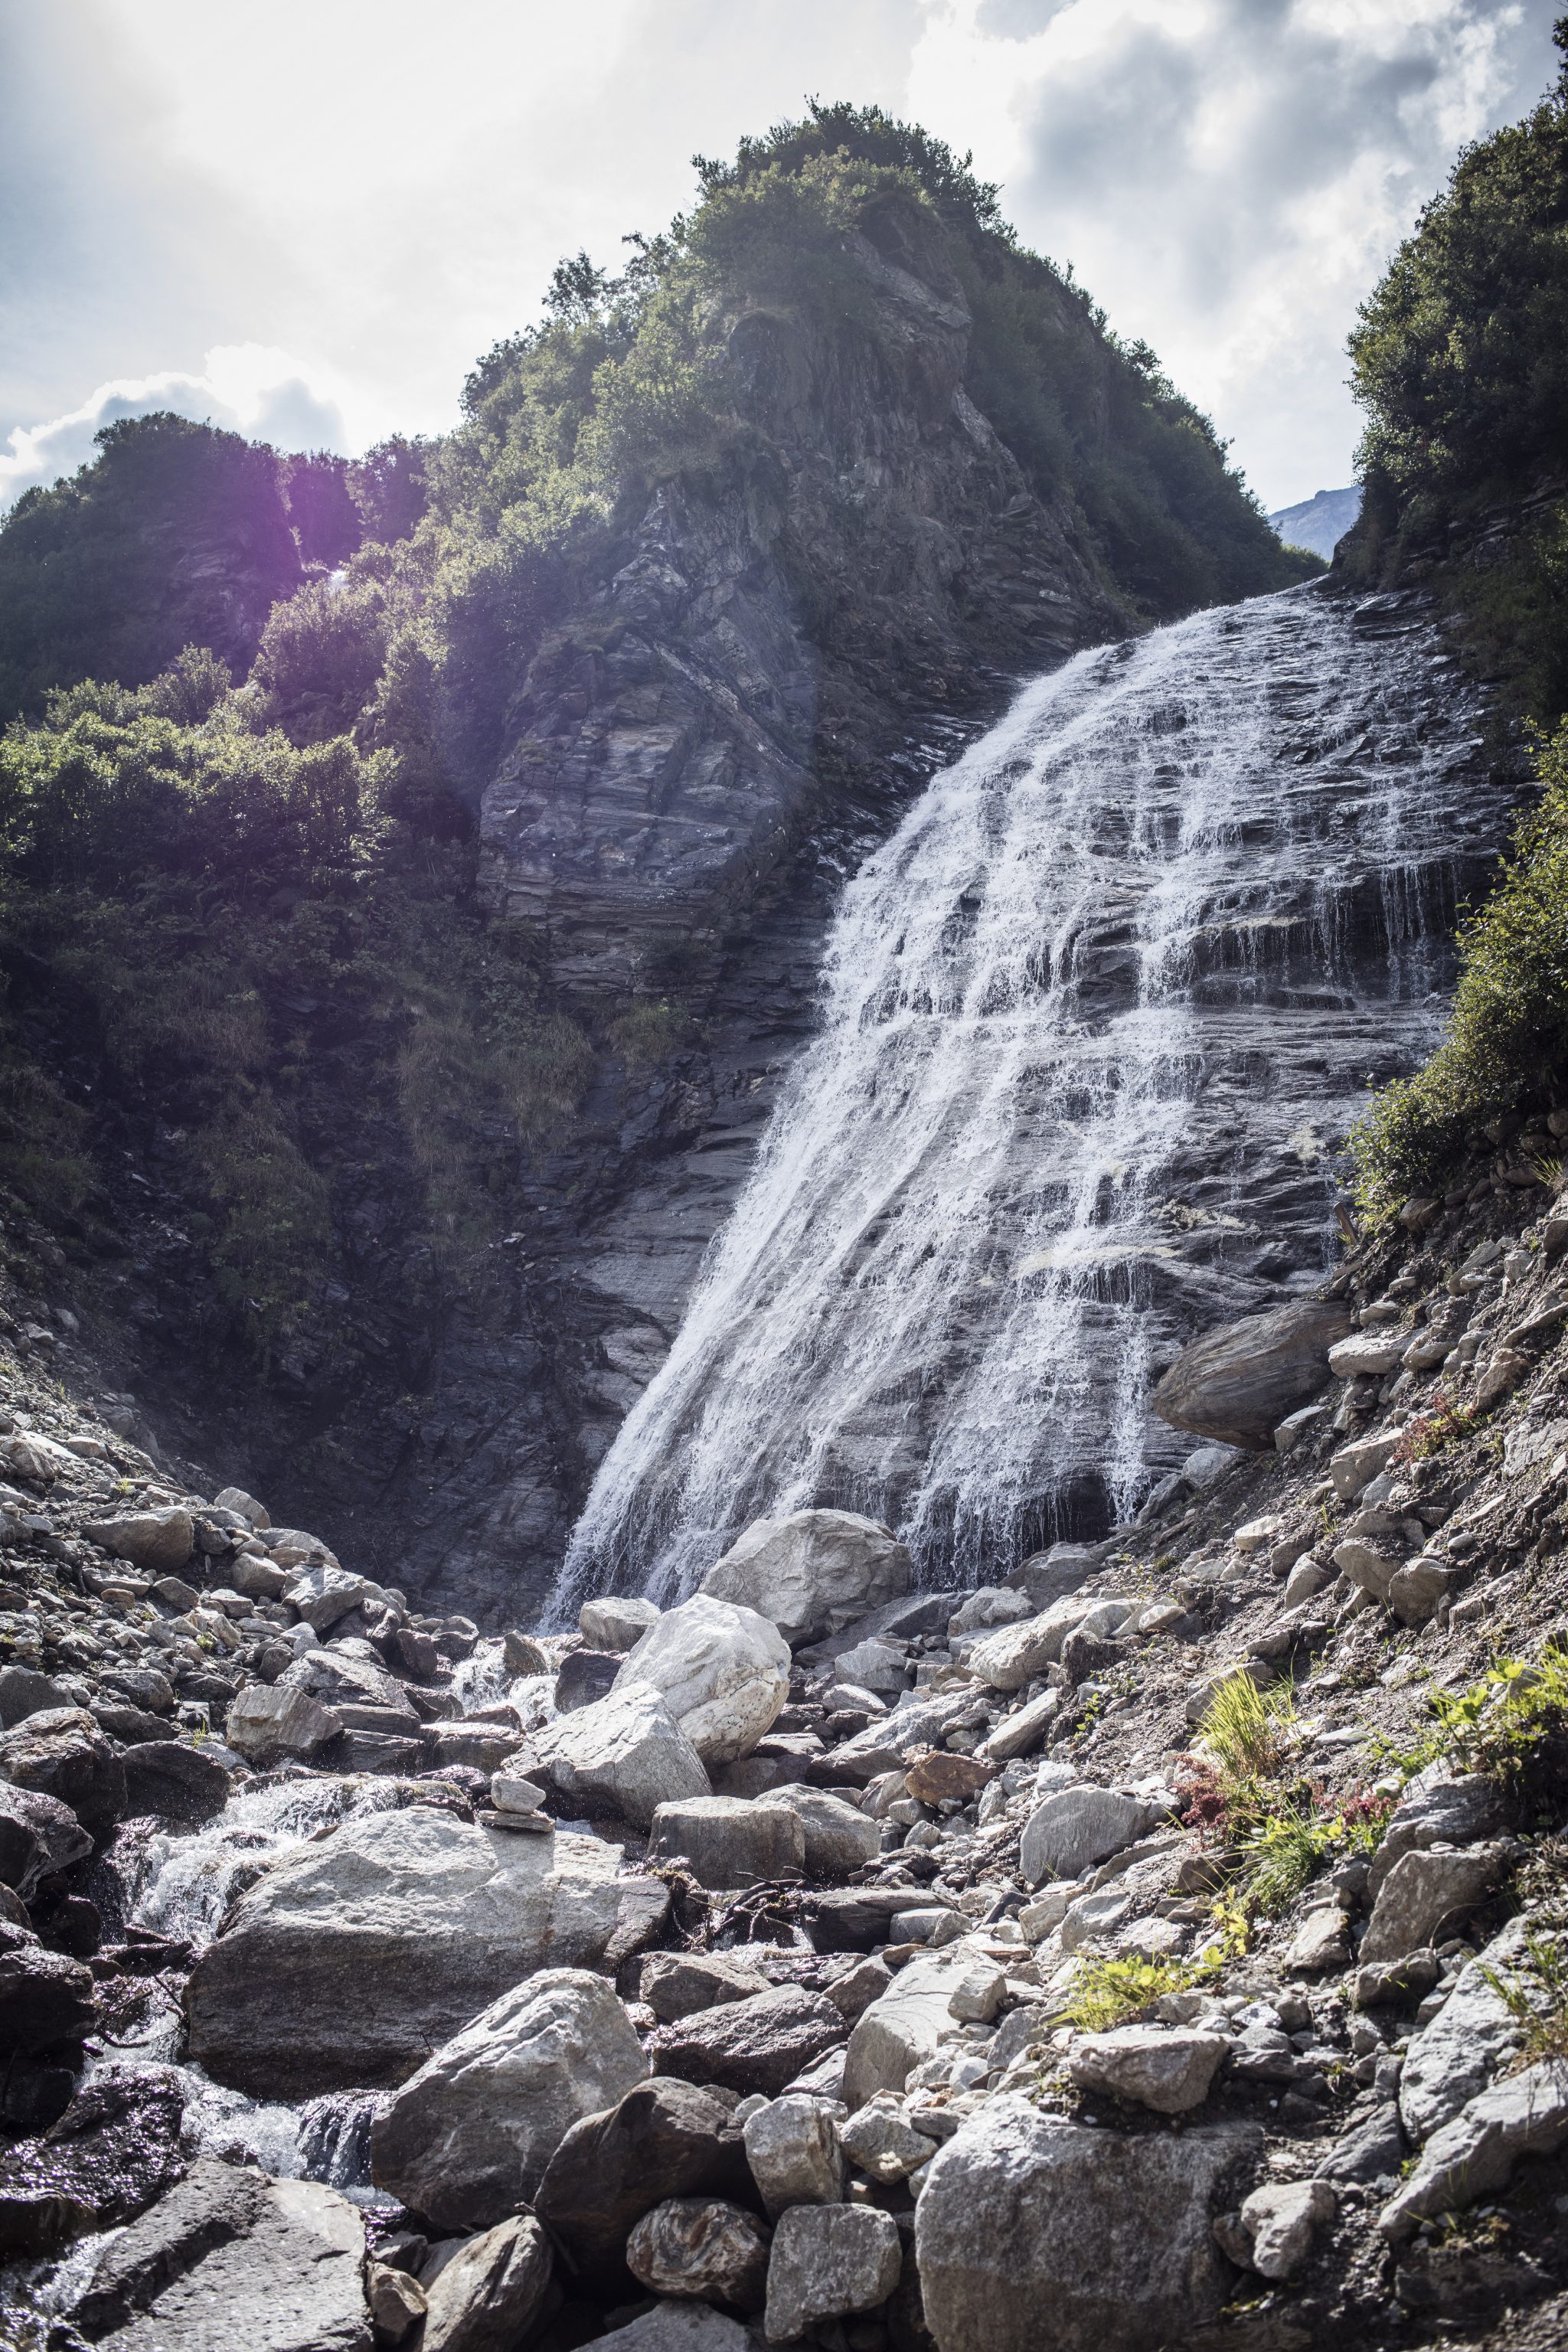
(1094, 1021)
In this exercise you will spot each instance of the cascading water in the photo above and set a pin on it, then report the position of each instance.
(1094, 1020)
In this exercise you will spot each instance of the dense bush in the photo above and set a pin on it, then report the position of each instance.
(176, 534)
(184, 886)
(1508, 1032)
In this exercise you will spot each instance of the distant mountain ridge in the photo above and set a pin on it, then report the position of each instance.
(1319, 522)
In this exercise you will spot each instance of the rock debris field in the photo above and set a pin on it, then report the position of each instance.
(1161, 1946)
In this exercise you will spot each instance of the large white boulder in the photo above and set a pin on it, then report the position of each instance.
(812, 1573)
(466, 2138)
(625, 1751)
(722, 1671)
(349, 1962)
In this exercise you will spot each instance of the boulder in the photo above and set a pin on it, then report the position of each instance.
(873, 1665)
(396, 2300)
(40, 1837)
(1008, 1659)
(466, 2138)
(1356, 1466)
(231, 2257)
(24, 1692)
(323, 1593)
(1238, 1384)
(1368, 1564)
(158, 1542)
(793, 2149)
(774, 1762)
(723, 1672)
(115, 2148)
(991, 1604)
(28, 1454)
(1368, 1355)
(46, 1999)
(946, 1778)
(1048, 1576)
(903, 2028)
(175, 1780)
(245, 1506)
(892, 1742)
(1436, 1808)
(1020, 1733)
(1473, 2035)
(665, 2138)
(1038, 2235)
(358, 1689)
(684, 2327)
(440, 1916)
(678, 1984)
(758, 2044)
(812, 1573)
(829, 2262)
(1424, 1888)
(1371, 2150)
(1074, 1827)
(729, 1841)
(880, 2140)
(839, 1836)
(487, 2298)
(484, 1747)
(703, 2248)
(1169, 2069)
(1524, 2115)
(626, 1754)
(61, 1753)
(612, 1623)
(268, 1723)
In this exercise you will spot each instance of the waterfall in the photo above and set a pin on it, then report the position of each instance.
(1094, 1021)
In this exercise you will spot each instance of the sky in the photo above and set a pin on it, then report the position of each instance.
(307, 218)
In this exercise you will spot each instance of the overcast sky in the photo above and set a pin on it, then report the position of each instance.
(309, 217)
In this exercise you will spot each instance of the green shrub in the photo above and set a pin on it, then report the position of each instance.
(1508, 1033)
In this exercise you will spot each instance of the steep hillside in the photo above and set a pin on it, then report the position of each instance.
(386, 1035)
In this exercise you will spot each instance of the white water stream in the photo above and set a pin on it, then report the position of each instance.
(1094, 1020)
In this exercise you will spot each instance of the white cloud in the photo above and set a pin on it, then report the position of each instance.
(249, 388)
(1228, 177)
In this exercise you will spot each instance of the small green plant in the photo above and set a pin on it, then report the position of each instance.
(1106, 1993)
(1536, 1997)
(1510, 1724)
(1446, 1423)
(1247, 1729)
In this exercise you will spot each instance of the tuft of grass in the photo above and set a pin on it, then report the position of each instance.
(1247, 1730)
(1536, 1997)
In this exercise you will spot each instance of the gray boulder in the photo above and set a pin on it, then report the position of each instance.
(683, 2327)
(625, 1753)
(1524, 2115)
(664, 2139)
(614, 1623)
(39, 1836)
(24, 1692)
(1168, 2069)
(729, 1841)
(723, 1672)
(467, 2138)
(1008, 1659)
(678, 1984)
(1425, 1887)
(793, 2149)
(1471, 2038)
(1074, 1827)
(902, 2028)
(61, 1753)
(229, 2257)
(1238, 1384)
(1037, 2235)
(157, 1541)
(440, 1916)
(759, 2044)
(839, 1836)
(829, 2261)
(173, 1779)
(1437, 1809)
(812, 1573)
(487, 2298)
(267, 1724)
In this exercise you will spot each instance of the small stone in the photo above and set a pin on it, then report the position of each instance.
(1273, 2233)
(1020, 1733)
(1168, 2069)
(946, 1778)
(1410, 1979)
(510, 1793)
(853, 1993)
(235, 1498)
(1321, 1942)
(522, 1655)
(829, 2262)
(792, 2148)
(703, 2248)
